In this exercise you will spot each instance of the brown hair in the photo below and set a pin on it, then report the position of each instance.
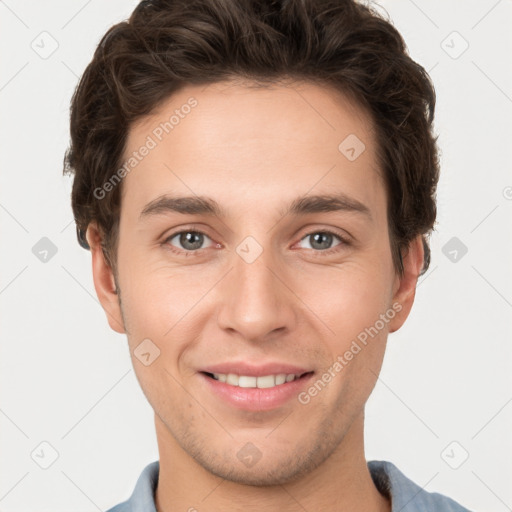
(167, 44)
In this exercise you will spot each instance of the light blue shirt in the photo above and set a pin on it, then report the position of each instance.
(405, 495)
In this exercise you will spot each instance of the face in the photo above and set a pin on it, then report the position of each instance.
(277, 264)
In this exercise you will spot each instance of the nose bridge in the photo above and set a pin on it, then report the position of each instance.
(255, 302)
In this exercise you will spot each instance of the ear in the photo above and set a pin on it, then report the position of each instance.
(104, 282)
(404, 288)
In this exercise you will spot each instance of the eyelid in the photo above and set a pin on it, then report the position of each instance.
(340, 233)
(345, 240)
(196, 228)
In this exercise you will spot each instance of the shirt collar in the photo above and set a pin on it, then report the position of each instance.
(405, 495)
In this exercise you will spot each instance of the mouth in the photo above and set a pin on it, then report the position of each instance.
(255, 393)
(260, 382)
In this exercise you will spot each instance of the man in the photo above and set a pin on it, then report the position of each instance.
(256, 182)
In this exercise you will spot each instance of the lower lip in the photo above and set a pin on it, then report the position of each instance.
(257, 399)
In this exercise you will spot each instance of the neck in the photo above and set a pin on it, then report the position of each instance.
(341, 482)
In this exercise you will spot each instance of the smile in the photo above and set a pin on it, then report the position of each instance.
(256, 393)
(247, 381)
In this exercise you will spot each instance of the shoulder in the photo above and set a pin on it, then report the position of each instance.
(405, 495)
(142, 498)
(121, 507)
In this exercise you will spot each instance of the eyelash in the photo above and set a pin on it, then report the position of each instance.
(198, 252)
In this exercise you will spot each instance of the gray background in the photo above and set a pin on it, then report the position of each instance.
(442, 408)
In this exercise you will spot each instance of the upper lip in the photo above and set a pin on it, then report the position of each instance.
(255, 370)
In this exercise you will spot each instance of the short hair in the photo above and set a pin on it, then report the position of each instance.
(168, 44)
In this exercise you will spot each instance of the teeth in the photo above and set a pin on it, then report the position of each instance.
(268, 381)
(232, 379)
(246, 381)
(281, 379)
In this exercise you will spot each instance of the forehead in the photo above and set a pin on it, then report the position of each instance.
(292, 138)
(307, 110)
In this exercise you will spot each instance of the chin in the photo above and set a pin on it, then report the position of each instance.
(268, 467)
(265, 476)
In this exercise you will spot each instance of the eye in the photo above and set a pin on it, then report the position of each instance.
(187, 241)
(190, 242)
(322, 240)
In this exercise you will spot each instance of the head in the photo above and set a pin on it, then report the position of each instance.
(293, 141)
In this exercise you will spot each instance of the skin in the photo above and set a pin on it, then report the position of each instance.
(294, 304)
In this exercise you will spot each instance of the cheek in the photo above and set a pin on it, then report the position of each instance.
(162, 303)
(347, 299)
(354, 308)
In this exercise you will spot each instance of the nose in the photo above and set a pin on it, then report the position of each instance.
(256, 301)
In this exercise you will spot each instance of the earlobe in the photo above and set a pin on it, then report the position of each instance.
(104, 282)
(405, 287)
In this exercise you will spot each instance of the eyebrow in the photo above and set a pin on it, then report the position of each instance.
(202, 205)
